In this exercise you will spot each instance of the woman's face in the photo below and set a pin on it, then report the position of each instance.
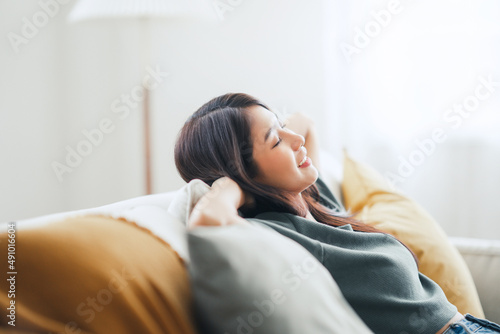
(278, 153)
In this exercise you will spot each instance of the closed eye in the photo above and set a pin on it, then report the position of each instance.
(282, 125)
(277, 143)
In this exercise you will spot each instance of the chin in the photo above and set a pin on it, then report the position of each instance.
(314, 173)
(311, 179)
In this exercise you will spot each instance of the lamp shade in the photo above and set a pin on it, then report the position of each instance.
(97, 9)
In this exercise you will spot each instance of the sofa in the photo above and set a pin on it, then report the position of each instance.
(91, 271)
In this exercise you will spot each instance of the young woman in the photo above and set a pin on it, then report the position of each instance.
(263, 170)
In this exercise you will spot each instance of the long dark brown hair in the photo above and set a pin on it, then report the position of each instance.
(216, 141)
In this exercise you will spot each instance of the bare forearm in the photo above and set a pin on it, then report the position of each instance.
(219, 206)
(228, 191)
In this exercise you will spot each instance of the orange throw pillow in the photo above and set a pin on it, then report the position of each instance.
(95, 274)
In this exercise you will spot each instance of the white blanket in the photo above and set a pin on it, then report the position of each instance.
(165, 215)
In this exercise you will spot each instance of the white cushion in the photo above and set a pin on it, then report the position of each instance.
(483, 259)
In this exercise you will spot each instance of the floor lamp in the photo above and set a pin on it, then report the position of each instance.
(146, 10)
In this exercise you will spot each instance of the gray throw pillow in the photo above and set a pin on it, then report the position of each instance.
(249, 279)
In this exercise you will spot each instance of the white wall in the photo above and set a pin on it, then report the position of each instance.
(31, 121)
(66, 78)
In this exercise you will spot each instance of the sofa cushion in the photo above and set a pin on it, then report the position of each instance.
(483, 259)
(374, 201)
(248, 278)
(99, 275)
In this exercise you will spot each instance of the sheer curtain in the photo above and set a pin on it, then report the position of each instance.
(413, 89)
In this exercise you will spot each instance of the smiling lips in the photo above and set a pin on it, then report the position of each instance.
(305, 162)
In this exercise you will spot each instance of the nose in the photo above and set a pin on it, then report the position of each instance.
(297, 141)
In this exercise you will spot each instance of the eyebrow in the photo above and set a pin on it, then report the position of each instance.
(268, 133)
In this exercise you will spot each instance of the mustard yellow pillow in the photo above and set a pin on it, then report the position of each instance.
(369, 196)
(95, 274)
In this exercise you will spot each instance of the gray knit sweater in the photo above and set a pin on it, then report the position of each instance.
(377, 275)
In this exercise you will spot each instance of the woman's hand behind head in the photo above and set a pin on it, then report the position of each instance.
(220, 205)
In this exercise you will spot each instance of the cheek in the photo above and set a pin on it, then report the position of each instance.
(267, 166)
(278, 165)
(275, 165)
